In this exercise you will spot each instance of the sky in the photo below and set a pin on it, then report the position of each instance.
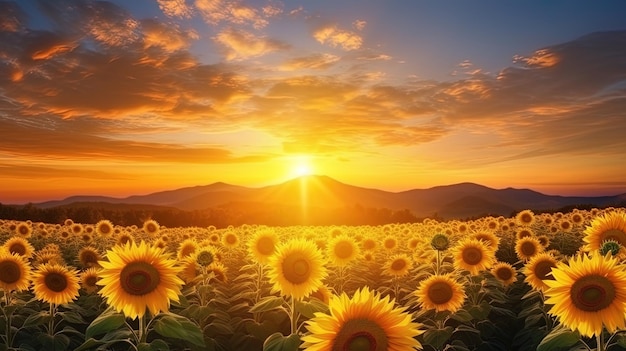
(124, 98)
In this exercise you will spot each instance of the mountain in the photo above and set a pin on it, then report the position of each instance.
(455, 201)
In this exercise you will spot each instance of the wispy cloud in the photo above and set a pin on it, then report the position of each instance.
(240, 44)
(333, 36)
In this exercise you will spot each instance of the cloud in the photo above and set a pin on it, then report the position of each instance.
(165, 36)
(73, 141)
(359, 24)
(175, 8)
(241, 45)
(333, 36)
(215, 12)
(313, 61)
(12, 17)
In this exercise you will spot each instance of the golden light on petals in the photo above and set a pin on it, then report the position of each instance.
(15, 272)
(262, 245)
(19, 245)
(342, 250)
(296, 269)
(473, 255)
(398, 265)
(441, 292)
(504, 272)
(609, 226)
(527, 247)
(55, 284)
(538, 270)
(589, 294)
(364, 322)
(136, 278)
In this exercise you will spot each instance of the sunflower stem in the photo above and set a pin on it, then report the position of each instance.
(437, 266)
(9, 339)
(142, 335)
(599, 344)
(51, 322)
(293, 316)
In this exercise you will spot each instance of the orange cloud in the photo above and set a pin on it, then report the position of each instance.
(335, 37)
(175, 8)
(314, 61)
(241, 45)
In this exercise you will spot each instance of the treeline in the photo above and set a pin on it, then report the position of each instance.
(220, 217)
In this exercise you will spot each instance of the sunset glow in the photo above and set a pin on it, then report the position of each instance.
(124, 98)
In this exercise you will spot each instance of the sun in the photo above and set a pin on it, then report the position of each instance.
(301, 166)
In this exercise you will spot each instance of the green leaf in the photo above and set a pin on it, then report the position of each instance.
(462, 316)
(279, 342)
(178, 327)
(72, 317)
(309, 308)
(89, 344)
(559, 337)
(56, 342)
(267, 304)
(437, 337)
(36, 319)
(109, 320)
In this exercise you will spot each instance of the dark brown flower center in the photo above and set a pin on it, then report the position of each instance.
(265, 246)
(343, 249)
(91, 280)
(390, 243)
(504, 273)
(440, 292)
(23, 230)
(472, 255)
(369, 244)
(296, 268)
(398, 264)
(10, 272)
(56, 282)
(18, 248)
(361, 335)
(528, 248)
(526, 218)
(592, 293)
(543, 268)
(231, 239)
(139, 278)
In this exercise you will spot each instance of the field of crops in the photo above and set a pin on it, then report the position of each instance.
(532, 281)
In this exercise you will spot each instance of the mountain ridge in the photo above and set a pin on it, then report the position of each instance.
(460, 200)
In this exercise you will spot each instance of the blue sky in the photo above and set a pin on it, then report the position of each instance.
(128, 97)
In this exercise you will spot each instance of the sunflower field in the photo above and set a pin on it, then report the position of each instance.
(528, 282)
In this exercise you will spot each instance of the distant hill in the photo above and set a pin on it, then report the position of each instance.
(457, 201)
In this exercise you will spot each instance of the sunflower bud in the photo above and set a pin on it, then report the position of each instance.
(611, 246)
(440, 242)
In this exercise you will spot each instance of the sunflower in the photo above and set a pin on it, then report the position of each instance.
(441, 292)
(342, 250)
(20, 246)
(473, 255)
(524, 233)
(365, 322)
(89, 279)
(104, 227)
(262, 245)
(610, 226)
(189, 269)
(527, 247)
(322, 293)
(230, 240)
(139, 277)
(205, 255)
(565, 225)
(440, 242)
(219, 271)
(55, 284)
(124, 238)
(525, 218)
(589, 293)
(398, 265)
(504, 272)
(296, 269)
(24, 230)
(76, 229)
(89, 257)
(369, 244)
(390, 243)
(151, 227)
(187, 248)
(15, 272)
(489, 238)
(537, 270)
